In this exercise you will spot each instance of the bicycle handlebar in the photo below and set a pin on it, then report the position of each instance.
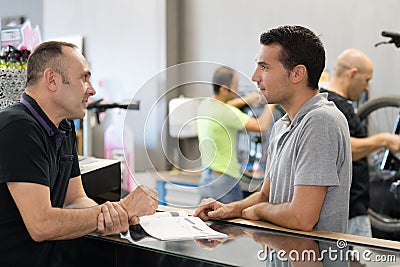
(390, 34)
(395, 38)
(101, 106)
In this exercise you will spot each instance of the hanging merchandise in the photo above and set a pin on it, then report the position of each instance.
(119, 145)
(16, 42)
(23, 35)
(12, 74)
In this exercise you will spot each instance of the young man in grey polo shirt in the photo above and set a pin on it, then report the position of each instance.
(308, 171)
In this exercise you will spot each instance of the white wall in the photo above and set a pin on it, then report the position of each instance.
(125, 46)
(31, 10)
(130, 41)
(228, 31)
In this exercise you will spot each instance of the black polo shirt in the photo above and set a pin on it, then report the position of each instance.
(33, 150)
(359, 191)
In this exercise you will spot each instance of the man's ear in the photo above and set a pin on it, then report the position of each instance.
(299, 73)
(353, 72)
(223, 90)
(50, 78)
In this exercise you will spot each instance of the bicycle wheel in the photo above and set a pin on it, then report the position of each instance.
(379, 115)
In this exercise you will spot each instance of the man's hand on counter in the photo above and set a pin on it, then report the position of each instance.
(115, 217)
(141, 201)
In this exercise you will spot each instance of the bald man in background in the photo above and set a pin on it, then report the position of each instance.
(350, 78)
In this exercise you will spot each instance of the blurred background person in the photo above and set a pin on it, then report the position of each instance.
(218, 126)
(350, 78)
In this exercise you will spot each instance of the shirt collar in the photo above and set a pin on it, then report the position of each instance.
(39, 114)
(322, 90)
(314, 102)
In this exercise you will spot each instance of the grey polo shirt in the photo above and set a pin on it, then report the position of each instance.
(313, 149)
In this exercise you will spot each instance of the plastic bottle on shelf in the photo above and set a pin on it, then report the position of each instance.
(119, 145)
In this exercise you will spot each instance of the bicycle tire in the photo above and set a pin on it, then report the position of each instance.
(383, 223)
(379, 115)
(372, 105)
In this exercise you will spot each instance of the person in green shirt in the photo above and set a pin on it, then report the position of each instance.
(218, 123)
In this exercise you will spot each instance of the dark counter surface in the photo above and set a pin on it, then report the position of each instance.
(246, 245)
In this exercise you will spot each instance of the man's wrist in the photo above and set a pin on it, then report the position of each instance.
(121, 203)
(235, 209)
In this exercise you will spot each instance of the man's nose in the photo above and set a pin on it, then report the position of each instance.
(90, 90)
(255, 76)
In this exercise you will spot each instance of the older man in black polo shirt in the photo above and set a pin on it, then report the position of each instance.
(41, 194)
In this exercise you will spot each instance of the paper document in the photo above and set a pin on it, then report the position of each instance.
(177, 225)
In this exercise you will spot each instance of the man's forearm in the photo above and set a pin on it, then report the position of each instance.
(238, 206)
(362, 147)
(61, 223)
(83, 202)
(279, 214)
(283, 215)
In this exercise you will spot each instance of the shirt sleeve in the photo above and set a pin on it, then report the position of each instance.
(234, 117)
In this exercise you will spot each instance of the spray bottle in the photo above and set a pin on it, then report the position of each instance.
(119, 145)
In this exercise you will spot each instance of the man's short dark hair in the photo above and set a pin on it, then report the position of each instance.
(223, 76)
(47, 55)
(299, 46)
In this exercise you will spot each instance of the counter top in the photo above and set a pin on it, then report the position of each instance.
(249, 243)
